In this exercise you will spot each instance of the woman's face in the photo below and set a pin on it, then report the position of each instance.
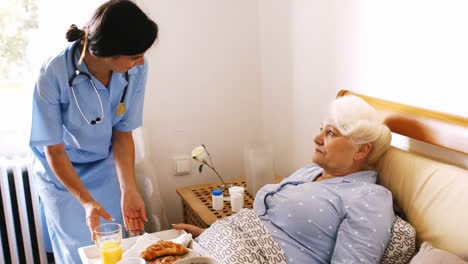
(124, 63)
(334, 152)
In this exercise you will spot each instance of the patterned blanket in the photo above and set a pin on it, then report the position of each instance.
(241, 238)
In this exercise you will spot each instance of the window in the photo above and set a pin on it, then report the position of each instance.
(18, 20)
(32, 30)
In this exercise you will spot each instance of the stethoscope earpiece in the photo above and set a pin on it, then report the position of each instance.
(95, 121)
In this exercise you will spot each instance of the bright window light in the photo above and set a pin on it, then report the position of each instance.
(32, 30)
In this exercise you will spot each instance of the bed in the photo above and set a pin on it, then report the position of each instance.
(432, 194)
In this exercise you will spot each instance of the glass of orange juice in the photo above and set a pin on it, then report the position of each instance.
(109, 242)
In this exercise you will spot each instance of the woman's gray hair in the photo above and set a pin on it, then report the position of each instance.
(361, 123)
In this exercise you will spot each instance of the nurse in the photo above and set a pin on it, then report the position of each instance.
(87, 100)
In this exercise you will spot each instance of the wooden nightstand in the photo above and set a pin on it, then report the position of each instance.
(197, 203)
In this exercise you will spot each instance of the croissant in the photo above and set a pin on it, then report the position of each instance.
(162, 248)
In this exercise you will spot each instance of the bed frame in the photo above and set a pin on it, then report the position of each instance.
(432, 194)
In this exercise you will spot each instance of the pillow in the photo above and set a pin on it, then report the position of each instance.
(428, 255)
(402, 244)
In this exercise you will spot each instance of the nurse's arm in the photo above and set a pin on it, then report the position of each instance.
(133, 207)
(61, 166)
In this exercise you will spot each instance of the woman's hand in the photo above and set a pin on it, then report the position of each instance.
(94, 211)
(133, 211)
(194, 230)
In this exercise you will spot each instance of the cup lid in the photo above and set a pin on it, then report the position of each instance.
(217, 192)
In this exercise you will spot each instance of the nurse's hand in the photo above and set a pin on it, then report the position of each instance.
(133, 210)
(94, 211)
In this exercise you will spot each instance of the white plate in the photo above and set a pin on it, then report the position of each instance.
(132, 261)
(197, 260)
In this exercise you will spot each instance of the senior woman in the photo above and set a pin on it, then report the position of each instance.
(332, 211)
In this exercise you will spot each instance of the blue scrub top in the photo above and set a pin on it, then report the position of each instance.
(56, 118)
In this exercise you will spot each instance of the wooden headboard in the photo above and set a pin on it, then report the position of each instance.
(436, 128)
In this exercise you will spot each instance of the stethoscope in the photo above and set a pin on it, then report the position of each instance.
(121, 108)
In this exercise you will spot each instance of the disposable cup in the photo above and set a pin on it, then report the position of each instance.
(237, 202)
(236, 189)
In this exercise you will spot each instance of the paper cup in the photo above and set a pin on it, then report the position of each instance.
(237, 202)
(236, 189)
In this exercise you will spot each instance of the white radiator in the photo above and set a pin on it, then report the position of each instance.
(20, 219)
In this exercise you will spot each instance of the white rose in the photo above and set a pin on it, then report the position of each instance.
(199, 153)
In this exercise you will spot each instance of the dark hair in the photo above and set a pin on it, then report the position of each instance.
(117, 27)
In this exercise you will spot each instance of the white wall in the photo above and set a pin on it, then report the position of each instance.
(277, 80)
(413, 52)
(204, 88)
(297, 47)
